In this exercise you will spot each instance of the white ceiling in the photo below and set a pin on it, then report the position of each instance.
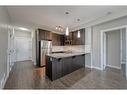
(48, 17)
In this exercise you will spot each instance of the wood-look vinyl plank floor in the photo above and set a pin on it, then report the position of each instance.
(25, 76)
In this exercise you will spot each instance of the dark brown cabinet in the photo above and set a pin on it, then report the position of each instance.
(72, 38)
(59, 67)
(76, 40)
(44, 34)
(60, 40)
(57, 39)
(68, 39)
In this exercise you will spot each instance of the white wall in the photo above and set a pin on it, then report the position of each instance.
(96, 37)
(4, 23)
(123, 45)
(33, 47)
(88, 35)
(88, 42)
(25, 34)
(113, 48)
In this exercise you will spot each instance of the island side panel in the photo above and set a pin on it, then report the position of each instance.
(59, 67)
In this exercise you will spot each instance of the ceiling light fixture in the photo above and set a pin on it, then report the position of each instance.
(24, 29)
(67, 29)
(59, 28)
(78, 34)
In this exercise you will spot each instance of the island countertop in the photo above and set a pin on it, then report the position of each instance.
(63, 55)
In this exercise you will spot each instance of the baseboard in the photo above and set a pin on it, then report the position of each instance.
(34, 62)
(98, 68)
(88, 66)
(2, 81)
(5, 80)
(114, 67)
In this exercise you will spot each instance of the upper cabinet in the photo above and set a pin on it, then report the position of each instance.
(60, 40)
(72, 38)
(57, 39)
(76, 40)
(68, 39)
(44, 34)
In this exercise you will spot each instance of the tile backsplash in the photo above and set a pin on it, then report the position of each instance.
(73, 48)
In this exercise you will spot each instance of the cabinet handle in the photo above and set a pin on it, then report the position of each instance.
(59, 59)
(73, 56)
(50, 59)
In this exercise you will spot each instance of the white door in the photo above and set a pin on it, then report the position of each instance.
(23, 48)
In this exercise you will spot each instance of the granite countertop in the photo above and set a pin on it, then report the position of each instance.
(63, 55)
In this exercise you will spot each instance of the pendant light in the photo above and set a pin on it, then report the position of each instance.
(67, 29)
(78, 34)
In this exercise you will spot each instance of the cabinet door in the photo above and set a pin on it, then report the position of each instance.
(57, 39)
(74, 62)
(77, 62)
(56, 68)
(66, 66)
(76, 40)
(62, 39)
(41, 34)
(49, 67)
(44, 34)
(48, 35)
(83, 61)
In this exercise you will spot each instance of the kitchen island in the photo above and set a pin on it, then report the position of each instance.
(61, 64)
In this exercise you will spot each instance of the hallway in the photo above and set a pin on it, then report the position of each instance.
(25, 76)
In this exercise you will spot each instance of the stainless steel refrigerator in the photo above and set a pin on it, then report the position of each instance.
(45, 48)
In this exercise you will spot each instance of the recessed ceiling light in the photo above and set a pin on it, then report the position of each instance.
(24, 29)
(78, 19)
(108, 13)
(66, 12)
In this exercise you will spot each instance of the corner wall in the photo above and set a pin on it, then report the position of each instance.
(4, 24)
(96, 37)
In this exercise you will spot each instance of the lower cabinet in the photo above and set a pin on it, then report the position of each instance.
(66, 66)
(56, 68)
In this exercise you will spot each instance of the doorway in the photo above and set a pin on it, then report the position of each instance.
(113, 48)
(23, 48)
